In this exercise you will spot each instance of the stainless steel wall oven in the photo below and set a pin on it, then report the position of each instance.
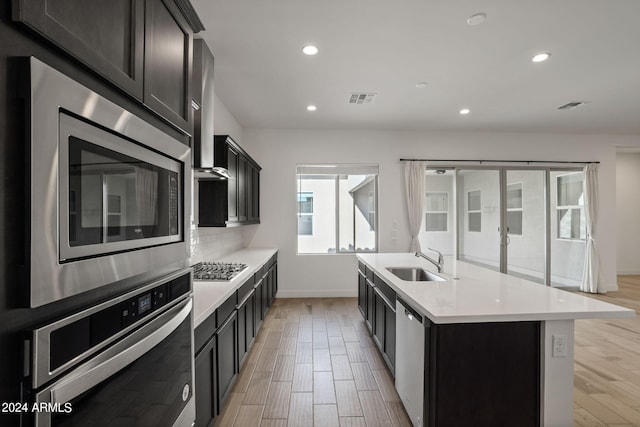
(108, 191)
(126, 361)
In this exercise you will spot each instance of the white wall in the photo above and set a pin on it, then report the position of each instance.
(278, 152)
(627, 212)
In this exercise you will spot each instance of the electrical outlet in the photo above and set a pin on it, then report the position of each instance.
(559, 346)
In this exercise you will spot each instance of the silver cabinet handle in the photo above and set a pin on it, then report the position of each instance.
(120, 355)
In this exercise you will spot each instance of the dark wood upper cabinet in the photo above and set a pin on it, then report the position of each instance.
(235, 201)
(106, 35)
(167, 62)
(143, 47)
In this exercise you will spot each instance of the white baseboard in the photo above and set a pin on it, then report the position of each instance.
(300, 293)
(628, 272)
(611, 287)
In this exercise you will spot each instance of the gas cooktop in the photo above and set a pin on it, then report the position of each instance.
(217, 271)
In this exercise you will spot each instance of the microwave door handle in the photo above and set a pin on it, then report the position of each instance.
(120, 355)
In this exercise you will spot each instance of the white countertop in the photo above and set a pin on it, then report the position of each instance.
(482, 295)
(208, 295)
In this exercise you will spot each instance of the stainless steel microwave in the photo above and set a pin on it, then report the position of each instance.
(109, 193)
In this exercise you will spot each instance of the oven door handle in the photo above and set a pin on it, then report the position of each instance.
(120, 355)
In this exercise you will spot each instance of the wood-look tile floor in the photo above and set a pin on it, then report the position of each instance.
(313, 364)
(607, 363)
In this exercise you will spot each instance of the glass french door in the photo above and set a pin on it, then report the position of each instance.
(502, 220)
(523, 221)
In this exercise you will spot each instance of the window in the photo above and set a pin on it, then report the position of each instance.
(337, 208)
(474, 210)
(305, 214)
(570, 207)
(437, 211)
(514, 209)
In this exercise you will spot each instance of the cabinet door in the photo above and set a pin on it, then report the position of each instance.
(242, 334)
(379, 320)
(256, 194)
(275, 279)
(245, 327)
(205, 385)
(270, 292)
(227, 357)
(232, 184)
(242, 189)
(370, 306)
(362, 294)
(260, 307)
(249, 190)
(250, 323)
(390, 337)
(167, 63)
(106, 35)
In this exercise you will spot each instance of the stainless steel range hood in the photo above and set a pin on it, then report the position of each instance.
(211, 173)
(203, 100)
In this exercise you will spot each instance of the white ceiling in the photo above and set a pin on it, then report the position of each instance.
(387, 46)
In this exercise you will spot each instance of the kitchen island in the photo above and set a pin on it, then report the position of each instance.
(504, 328)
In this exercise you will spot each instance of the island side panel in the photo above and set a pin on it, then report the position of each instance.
(556, 374)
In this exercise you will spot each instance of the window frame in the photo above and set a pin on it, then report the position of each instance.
(324, 171)
(305, 214)
(579, 208)
(427, 212)
(474, 211)
(520, 209)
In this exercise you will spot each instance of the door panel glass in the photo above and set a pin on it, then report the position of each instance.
(526, 225)
(479, 217)
(568, 228)
(438, 231)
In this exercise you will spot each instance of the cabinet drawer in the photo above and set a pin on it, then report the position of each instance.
(203, 332)
(386, 290)
(245, 289)
(226, 309)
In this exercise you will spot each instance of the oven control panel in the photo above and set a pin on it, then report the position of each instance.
(72, 339)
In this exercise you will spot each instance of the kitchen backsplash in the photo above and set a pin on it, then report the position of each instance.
(208, 244)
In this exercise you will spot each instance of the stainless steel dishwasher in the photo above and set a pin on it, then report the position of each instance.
(410, 354)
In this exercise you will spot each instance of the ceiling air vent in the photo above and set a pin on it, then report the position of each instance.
(361, 98)
(571, 105)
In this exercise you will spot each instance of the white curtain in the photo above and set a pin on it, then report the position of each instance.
(590, 273)
(414, 172)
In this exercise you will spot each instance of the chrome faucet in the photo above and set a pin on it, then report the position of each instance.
(439, 264)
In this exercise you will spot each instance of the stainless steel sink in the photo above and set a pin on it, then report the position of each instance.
(415, 274)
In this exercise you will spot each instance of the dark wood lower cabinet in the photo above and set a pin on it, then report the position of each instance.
(389, 353)
(205, 385)
(362, 294)
(223, 341)
(370, 306)
(259, 303)
(246, 326)
(227, 357)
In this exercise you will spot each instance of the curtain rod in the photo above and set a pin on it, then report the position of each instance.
(495, 161)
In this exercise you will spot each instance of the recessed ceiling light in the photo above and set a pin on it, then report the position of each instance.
(476, 18)
(310, 50)
(311, 108)
(421, 85)
(465, 111)
(541, 57)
